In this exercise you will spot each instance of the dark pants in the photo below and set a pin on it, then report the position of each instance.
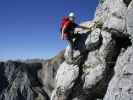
(71, 43)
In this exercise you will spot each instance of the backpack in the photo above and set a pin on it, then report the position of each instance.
(63, 21)
(69, 25)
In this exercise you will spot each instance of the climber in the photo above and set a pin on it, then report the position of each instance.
(67, 31)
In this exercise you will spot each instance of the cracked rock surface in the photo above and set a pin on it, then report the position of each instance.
(93, 76)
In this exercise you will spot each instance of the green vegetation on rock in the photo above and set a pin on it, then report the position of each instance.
(102, 1)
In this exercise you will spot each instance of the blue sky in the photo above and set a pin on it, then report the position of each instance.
(30, 28)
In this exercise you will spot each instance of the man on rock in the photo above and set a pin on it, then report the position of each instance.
(68, 26)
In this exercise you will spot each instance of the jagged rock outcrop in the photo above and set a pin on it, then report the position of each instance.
(29, 80)
(96, 54)
(121, 85)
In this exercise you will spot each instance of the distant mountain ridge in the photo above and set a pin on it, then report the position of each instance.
(29, 80)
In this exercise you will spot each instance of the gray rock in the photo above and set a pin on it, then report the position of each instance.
(121, 85)
(65, 78)
(116, 15)
(129, 20)
(96, 65)
(102, 12)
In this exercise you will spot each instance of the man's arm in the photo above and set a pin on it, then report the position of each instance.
(84, 27)
(62, 32)
(96, 24)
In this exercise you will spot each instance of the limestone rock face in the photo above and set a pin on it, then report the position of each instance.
(97, 53)
(116, 15)
(121, 85)
(65, 78)
(129, 19)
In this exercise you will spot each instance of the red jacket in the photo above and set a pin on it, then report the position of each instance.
(69, 27)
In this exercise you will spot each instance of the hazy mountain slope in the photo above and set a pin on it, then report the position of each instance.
(29, 80)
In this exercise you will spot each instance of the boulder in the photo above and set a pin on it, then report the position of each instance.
(65, 78)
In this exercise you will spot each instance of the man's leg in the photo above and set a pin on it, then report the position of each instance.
(71, 44)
